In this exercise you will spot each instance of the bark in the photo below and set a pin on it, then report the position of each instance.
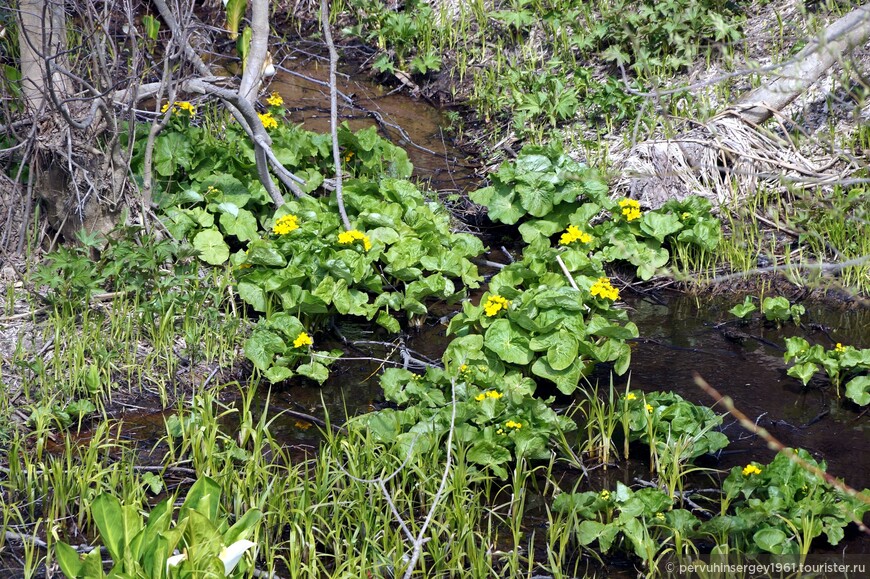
(253, 72)
(726, 157)
(41, 39)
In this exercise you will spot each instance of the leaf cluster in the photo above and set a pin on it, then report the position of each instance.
(143, 548)
(843, 365)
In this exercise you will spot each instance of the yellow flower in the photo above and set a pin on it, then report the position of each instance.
(285, 224)
(603, 288)
(348, 237)
(649, 408)
(605, 495)
(348, 157)
(685, 216)
(512, 424)
(268, 120)
(573, 234)
(275, 100)
(660, 516)
(840, 348)
(180, 106)
(630, 209)
(463, 368)
(494, 304)
(494, 394)
(630, 396)
(751, 469)
(303, 339)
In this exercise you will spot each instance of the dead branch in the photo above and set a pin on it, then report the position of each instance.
(333, 112)
(732, 149)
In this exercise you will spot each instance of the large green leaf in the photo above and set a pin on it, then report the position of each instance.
(504, 209)
(858, 390)
(262, 346)
(563, 352)
(171, 151)
(660, 225)
(109, 517)
(243, 224)
(253, 295)
(508, 343)
(212, 247)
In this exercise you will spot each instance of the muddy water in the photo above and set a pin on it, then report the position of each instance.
(405, 121)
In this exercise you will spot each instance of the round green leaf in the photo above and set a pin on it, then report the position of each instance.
(509, 344)
(563, 351)
(212, 248)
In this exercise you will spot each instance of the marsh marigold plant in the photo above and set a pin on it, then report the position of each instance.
(180, 106)
(604, 289)
(349, 237)
(572, 234)
(285, 225)
(494, 304)
(268, 120)
(303, 339)
(630, 209)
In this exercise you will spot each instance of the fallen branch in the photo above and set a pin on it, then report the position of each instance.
(732, 149)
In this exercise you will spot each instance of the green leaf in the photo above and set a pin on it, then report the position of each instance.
(171, 151)
(388, 322)
(535, 200)
(660, 225)
(566, 380)
(69, 560)
(262, 346)
(770, 539)
(314, 370)
(212, 248)
(488, 454)
(744, 309)
(252, 295)
(858, 390)
(275, 374)
(109, 518)
(504, 209)
(563, 352)
(804, 372)
(243, 225)
(509, 344)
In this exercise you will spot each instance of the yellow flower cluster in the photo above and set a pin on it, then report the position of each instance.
(605, 495)
(348, 237)
(275, 100)
(840, 348)
(180, 106)
(268, 120)
(603, 288)
(630, 209)
(512, 424)
(751, 469)
(660, 516)
(630, 396)
(285, 225)
(494, 304)
(649, 408)
(488, 394)
(303, 339)
(573, 234)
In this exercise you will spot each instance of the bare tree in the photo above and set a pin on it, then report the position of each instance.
(82, 96)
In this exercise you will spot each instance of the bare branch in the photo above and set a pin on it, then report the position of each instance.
(333, 112)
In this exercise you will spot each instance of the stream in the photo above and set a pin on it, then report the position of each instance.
(679, 334)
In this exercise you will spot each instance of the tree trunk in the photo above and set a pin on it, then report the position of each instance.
(727, 156)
